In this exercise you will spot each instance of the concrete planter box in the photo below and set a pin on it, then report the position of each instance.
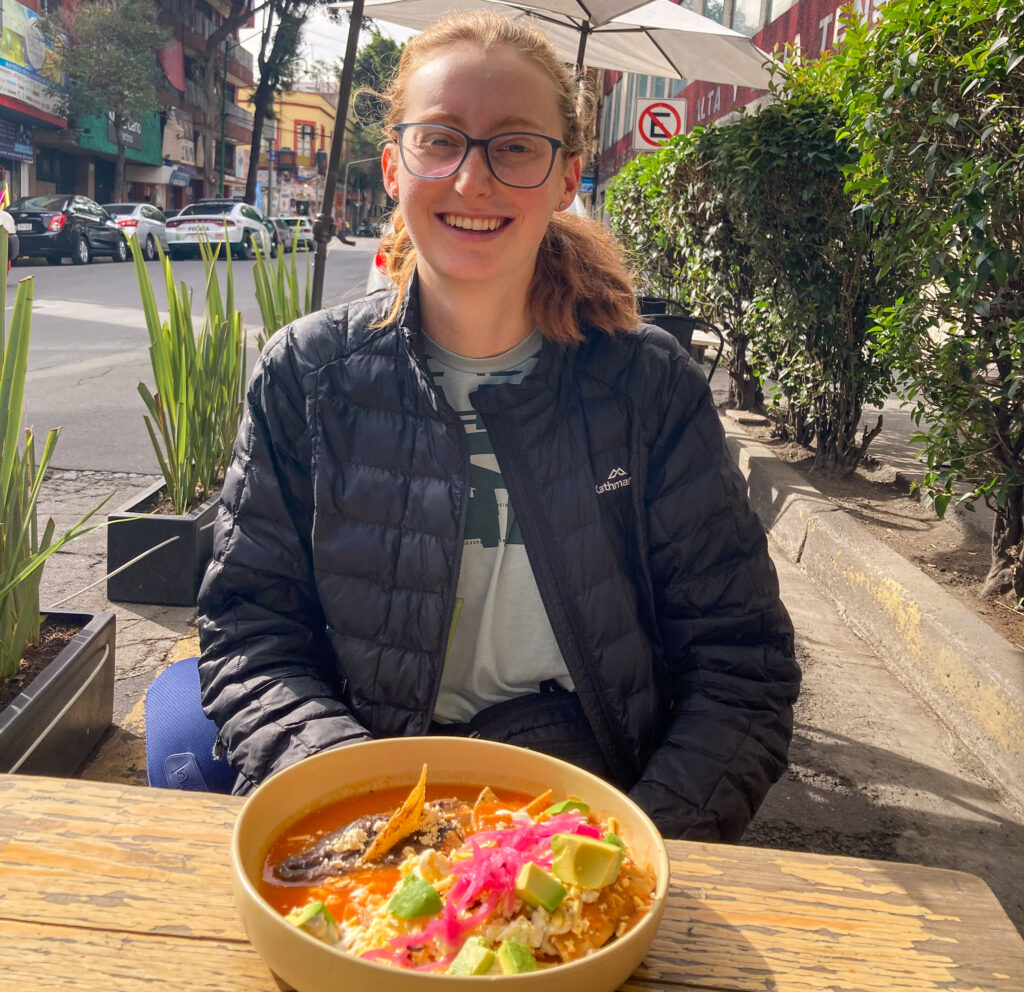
(54, 723)
(171, 575)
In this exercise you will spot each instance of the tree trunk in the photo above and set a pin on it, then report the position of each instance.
(261, 96)
(1006, 570)
(745, 391)
(120, 193)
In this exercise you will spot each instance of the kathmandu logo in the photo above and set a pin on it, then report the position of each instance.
(618, 478)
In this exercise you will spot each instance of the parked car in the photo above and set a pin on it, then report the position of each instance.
(144, 221)
(286, 232)
(209, 220)
(62, 225)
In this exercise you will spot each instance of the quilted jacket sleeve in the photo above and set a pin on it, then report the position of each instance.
(728, 640)
(264, 672)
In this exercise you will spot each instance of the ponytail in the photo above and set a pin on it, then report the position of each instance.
(579, 278)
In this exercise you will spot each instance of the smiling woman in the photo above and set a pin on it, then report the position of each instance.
(489, 503)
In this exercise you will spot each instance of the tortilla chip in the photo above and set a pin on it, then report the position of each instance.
(538, 805)
(403, 822)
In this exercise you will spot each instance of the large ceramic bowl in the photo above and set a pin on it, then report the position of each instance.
(311, 966)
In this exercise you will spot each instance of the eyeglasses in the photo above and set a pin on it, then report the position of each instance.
(517, 158)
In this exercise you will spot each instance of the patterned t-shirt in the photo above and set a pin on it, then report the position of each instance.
(501, 645)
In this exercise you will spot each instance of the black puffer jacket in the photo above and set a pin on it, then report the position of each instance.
(325, 612)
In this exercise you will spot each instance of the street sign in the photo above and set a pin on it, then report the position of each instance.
(656, 122)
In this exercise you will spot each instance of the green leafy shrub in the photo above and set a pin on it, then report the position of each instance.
(277, 290)
(23, 549)
(672, 210)
(934, 94)
(194, 413)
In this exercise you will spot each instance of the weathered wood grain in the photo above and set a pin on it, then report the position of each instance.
(78, 959)
(114, 887)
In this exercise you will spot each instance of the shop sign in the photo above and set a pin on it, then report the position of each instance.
(27, 64)
(15, 141)
(131, 132)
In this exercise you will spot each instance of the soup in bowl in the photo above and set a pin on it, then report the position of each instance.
(510, 866)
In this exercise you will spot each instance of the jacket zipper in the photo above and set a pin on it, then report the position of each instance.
(453, 423)
(560, 613)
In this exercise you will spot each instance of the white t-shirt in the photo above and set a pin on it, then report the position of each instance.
(501, 645)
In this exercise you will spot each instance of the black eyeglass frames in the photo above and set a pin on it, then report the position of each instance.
(520, 159)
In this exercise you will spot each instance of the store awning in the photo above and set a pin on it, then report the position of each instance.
(160, 175)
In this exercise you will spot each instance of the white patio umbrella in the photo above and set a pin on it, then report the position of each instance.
(658, 38)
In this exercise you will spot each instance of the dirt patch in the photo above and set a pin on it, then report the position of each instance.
(952, 554)
(52, 639)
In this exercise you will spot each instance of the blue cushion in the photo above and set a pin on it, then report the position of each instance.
(180, 737)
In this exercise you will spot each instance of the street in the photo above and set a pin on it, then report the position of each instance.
(90, 348)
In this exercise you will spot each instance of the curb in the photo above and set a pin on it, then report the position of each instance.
(967, 673)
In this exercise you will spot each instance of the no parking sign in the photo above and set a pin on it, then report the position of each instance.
(657, 122)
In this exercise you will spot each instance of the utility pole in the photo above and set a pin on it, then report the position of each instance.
(223, 111)
(270, 176)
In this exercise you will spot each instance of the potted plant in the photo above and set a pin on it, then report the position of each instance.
(57, 669)
(278, 292)
(162, 540)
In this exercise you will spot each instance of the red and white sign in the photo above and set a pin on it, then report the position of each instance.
(656, 122)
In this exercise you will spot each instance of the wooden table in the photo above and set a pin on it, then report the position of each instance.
(116, 888)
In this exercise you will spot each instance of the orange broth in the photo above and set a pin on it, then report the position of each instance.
(337, 893)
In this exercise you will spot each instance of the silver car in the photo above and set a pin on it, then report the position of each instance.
(142, 220)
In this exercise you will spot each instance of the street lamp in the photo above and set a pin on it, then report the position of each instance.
(223, 106)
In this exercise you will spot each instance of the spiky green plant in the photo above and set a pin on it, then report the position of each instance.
(199, 379)
(23, 550)
(277, 290)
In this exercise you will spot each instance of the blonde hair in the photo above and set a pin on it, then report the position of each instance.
(579, 277)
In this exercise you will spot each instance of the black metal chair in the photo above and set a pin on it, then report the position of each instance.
(670, 315)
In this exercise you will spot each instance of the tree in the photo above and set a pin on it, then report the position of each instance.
(108, 48)
(277, 63)
(670, 209)
(818, 280)
(934, 93)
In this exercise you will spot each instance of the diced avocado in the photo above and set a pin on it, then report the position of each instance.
(515, 958)
(474, 958)
(585, 861)
(317, 920)
(568, 806)
(536, 887)
(616, 840)
(414, 899)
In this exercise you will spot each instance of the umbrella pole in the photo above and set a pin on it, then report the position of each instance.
(324, 227)
(584, 33)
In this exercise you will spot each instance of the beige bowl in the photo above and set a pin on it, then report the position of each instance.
(311, 966)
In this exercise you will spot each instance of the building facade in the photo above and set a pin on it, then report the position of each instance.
(164, 161)
(296, 149)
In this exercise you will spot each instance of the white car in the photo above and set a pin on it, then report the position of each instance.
(210, 220)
